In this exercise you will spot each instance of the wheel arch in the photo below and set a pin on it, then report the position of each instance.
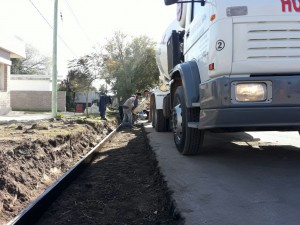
(186, 75)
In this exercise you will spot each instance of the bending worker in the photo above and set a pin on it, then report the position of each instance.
(129, 105)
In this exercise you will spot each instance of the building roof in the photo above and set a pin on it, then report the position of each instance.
(13, 45)
(33, 77)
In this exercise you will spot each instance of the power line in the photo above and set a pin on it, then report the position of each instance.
(41, 14)
(60, 38)
(76, 20)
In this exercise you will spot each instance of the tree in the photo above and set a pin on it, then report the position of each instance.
(126, 64)
(103, 89)
(129, 64)
(34, 63)
(66, 86)
(83, 71)
(145, 71)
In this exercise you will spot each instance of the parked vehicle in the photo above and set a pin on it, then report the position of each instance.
(231, 66)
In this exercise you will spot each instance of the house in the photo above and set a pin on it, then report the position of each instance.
(93, 99)
(34, 93)
(80, 100)
(10, 47)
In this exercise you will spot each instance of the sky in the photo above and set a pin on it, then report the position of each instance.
(82, 24)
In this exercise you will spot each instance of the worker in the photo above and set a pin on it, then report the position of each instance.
(103, 102)
(129, 105)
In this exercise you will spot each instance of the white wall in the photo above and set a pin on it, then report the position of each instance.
(30, 82)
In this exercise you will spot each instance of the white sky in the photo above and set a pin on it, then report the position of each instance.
(98, 19)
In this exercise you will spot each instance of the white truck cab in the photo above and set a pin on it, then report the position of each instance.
(242, 38)
(232, 66)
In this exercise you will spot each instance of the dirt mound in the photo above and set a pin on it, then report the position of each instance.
(34, 154)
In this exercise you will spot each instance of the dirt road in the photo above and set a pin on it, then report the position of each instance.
(123, 185)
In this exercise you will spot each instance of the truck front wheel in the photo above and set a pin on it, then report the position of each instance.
(188, 140)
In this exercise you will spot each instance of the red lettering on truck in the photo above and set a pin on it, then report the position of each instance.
(287, 5)
(296, 5)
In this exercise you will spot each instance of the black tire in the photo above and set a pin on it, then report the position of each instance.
(167, 107)
(153, 114)
(161, 123)
(188, 140)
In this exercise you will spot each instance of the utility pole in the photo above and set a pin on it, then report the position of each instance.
(54, 63)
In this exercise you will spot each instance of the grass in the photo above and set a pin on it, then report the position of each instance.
(111, 115)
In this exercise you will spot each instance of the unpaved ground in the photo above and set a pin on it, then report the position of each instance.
(123, 185)
(34, 154)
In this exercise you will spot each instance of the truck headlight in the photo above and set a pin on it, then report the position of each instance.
(250, 92)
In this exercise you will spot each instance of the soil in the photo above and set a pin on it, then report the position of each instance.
(123, 185)
(35, 154)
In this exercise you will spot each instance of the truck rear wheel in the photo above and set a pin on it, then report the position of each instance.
(188, 140)
(153, 109)
(159, 122)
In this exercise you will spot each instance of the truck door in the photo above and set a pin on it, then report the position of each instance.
(196, 40)
(195, 17)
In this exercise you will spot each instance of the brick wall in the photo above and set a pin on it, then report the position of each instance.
(36, 100)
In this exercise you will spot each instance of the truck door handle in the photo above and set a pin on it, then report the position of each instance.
(188, 33)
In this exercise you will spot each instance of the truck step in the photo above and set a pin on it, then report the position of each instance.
(193, 124)
(196, 104)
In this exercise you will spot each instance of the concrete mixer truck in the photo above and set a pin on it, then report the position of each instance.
(228, 66)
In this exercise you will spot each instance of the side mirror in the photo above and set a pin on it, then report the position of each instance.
(170, 2)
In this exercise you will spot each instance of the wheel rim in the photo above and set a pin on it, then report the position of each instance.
(177, 123)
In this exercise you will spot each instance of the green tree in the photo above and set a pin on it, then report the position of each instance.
(34, 63)
(145, 71)
(129, 64)
(65, 85)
